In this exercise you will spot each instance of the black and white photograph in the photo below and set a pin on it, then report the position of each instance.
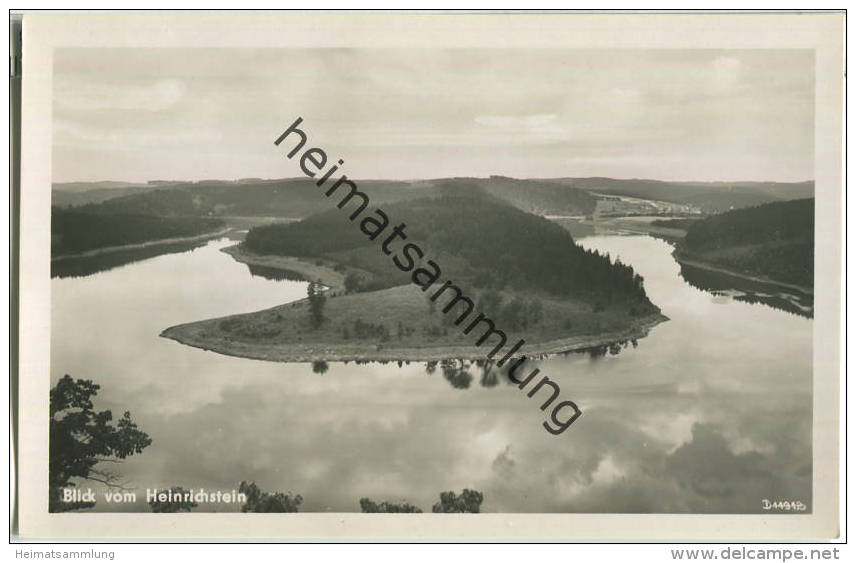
(433, 278)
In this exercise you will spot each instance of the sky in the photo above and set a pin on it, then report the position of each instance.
(140, 114)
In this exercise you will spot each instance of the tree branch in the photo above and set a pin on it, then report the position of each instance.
(109, 478)
(110, 484)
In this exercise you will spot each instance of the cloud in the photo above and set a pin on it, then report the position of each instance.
(545, 124)
(428, 113)
(131, 137)
(92, 96)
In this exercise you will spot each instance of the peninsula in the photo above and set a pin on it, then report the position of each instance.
(520, 271)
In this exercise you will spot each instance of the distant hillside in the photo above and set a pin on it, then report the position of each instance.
(710, 197)
(297, 198)
(78, 187)
(73, 231)
(62, 198)
(300, 197)
(477, 239)
(774, 241)
(271, 198)
(540, 197)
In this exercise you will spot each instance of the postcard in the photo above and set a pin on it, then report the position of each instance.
(554, 276)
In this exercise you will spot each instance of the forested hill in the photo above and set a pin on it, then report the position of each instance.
(540, 197)
(298, 198)
(476, 239)
(709, 197)
(73, 232)
(280, 198)
(775, 240)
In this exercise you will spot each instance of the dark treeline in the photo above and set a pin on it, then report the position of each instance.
(710, 197)
(75, 231)
(475, 238)
(774, 240)
(266, 198)
(771, 222)
(314, 236)
(276, 274)
(79, 266)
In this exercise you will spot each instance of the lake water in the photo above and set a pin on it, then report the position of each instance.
(710, 413)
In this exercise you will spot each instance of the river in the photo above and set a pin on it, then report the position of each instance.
(710, 413)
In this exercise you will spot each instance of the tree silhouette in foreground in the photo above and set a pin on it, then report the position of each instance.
(469, 501)
(369, 506)
(81, 438)
(173, 505)
(258, 501)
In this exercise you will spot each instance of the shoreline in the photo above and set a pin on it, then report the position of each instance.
(186, 334)
(682, 259)
(676, 235)
(109, 249)
(638, 225)
(194, 333)
(329, 277)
